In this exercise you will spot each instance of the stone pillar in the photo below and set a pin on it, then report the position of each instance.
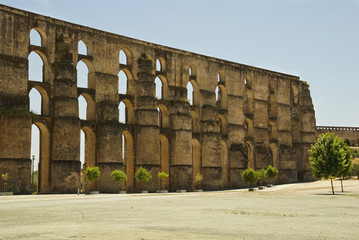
(15, 124)
(181, 145)
(65, 152)
(147, 132)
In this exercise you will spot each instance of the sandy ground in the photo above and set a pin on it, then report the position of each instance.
(292, 211)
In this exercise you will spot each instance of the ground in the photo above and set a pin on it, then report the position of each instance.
(291, 211)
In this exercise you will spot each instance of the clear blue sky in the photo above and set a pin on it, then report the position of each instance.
(317, 40)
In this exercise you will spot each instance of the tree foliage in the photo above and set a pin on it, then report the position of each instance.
(199, 177)
(261, 174)
(142, 175)
(162, 175)
(119, 176)
(330, 157)
(92, 173)
(272, 172)
(250, 176)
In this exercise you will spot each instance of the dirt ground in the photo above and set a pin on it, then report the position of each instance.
(292, 211)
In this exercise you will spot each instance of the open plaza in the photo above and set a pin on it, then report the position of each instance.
(291, 211)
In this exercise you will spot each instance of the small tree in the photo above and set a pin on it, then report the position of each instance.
(119, 176)
(271, 172)
(328, 157)
(142, 175)
(92, 174)
(198, 179)
(5, 177)
(347, 166)
(161, 176)
(261, 174)
(250, 176)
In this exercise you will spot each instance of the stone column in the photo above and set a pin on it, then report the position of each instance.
(147, 132)
(65, 151)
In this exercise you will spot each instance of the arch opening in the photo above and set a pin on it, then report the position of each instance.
(196, 161)
(122, 112)
(36, 67)
(82, 74)
(35, 38)
(164, 150)
(190, 93)
(81, 48)
(82, 108)
(127, 144)
(123, 57)
(122, 82)
(35, 101)
(159, 88)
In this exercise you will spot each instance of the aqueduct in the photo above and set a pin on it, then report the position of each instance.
(146, 105)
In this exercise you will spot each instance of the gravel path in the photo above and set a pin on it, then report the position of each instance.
(291, 211)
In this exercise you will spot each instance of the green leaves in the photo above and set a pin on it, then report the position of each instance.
(330, 157)
(92, 173)
(250, 176)
(142, 175)
(272, 172)
(119, 175)
(162, 175)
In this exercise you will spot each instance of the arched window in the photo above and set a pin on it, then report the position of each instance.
(217, 93)
(245, 82)
(82, 148)
(35, 148)
(35, 38)
(158, 65)
(122, 82)
(82, 74)
(123, 57)
(81, 48)
(123, 146)
(190, 71)
(190, 93)
(122, 112)
(35, 101)
(35, 67)
(82, 108)
(159, 88)
(218, 77)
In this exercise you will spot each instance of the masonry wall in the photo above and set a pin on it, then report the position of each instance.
(241, 116)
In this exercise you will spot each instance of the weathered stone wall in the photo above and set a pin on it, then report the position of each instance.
(257, 117)
(349, 134)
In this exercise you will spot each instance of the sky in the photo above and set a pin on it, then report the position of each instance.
(317, 40)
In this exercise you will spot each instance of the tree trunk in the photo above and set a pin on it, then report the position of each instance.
(341, 182)
(331, 181)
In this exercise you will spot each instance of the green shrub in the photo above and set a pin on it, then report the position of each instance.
(261, 174)
(142, 175)
(119, 176)
(250, 176)
(92, 174)
(272, 172)
(162, 175)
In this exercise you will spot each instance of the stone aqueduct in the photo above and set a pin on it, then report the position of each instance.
(238, 116)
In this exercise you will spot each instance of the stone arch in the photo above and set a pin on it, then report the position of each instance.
(196, 127)
(35, 101)
(247, 81)
(250, 154)
(129, 161)
(273, 109)
(90, 107)
(273, 133)
(164, 145)
(274, 151)
(249, 128)
(223, 125)
(192, 72)
(82, 74)
(193, 94)
(295, 94)
(126, 56)
(126, 115)
(130, 85)
(44, 159)
(122, 82)
(163, 90)
(82, 48)
(196, 159)
(224, 163)
(89, 153)
(38, 33)
(221, 96)
(249, 102)
(220, 77)
(165, 120)
(160, 64)
(36, 67)
(158, 88)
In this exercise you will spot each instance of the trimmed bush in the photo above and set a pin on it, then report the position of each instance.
(271, 172)
(119, 176)
(92, 174)
(142, 175)
(250, 176)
